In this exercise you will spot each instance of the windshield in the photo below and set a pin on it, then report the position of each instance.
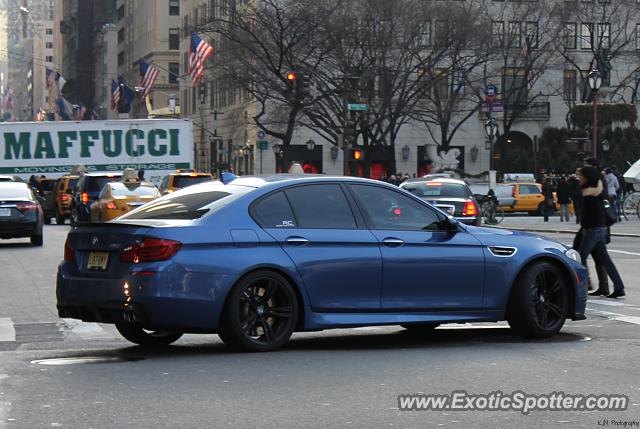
(134, 189)
(97, 183)
(13, 192)
(438, 189)
(184, 181)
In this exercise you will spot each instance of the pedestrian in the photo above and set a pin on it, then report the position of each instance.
(594, 230)
(549, 204)
(576, 196)
(613, 188)
(564, 198)
(141, 174)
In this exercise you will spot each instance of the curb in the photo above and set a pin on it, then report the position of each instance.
(565, 231)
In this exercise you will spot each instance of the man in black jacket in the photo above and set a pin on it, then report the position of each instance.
(563, 192)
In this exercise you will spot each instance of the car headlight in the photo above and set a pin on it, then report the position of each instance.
(572, 254)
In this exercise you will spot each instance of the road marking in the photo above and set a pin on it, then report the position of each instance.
(7, 331)
(623, 252)
(611, 303)
(620, 317)
(86, 330)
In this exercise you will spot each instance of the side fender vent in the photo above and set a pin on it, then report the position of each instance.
(502, 252)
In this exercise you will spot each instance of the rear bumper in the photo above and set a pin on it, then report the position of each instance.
(166, 300)
(468, 220)
(18, 229)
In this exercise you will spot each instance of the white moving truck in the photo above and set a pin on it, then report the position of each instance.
(159, 146)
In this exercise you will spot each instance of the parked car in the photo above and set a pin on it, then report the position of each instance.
(181, 179)
(261, 257)
(452, 196)
(118, 198)
(86, 193)
(64, 194)
(20, 213)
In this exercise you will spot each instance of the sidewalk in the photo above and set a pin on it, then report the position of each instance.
(537, 224)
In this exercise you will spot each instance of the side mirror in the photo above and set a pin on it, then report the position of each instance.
(451, 224)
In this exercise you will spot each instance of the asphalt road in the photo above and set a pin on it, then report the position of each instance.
(338, 378)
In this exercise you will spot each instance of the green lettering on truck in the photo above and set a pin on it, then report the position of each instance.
(17, 147)
(114, 151)
(128, 146)
(65, 141)
(153, 150)
(174, 149)
(44, 146)
(87, 140)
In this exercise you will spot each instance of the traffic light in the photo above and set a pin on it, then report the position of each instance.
(349, 132)
(357, 155)
(304, 86)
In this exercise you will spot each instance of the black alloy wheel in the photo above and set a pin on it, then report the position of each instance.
(260, 313)
(147, 338)
(539, 302)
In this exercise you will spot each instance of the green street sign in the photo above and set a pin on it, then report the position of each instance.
(263, 145)
(357, 106)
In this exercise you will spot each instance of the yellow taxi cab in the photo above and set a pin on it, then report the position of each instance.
(63, 196)
(528, 197)
(118, 198)
(181, 179)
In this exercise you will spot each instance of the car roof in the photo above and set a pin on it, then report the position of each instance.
(103, 174)
(262, 180)
(190, 173)
(439, 180)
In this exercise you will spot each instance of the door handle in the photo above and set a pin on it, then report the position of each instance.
(392, 242)
(296, 241)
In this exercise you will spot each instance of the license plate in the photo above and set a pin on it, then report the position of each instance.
(98, 261)
(5, 212)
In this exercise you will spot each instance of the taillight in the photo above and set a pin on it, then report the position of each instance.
(151, 249)
(24, 207)
(85, 197)
(69, 253)
(513, 192)
(111, 205)
(470, 209)
(65, 197)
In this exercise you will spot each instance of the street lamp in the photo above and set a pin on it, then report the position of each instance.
(595, 81)
(311, 145)
(491, 129)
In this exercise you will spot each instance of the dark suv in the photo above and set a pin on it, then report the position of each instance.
(86, 192)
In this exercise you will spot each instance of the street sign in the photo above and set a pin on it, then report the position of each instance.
(495, 106)
(261, 134)
(357, 106)
(491, 90)
(263, 145)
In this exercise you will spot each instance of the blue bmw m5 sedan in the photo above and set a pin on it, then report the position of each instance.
(258, 258)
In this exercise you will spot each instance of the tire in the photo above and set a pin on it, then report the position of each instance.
(539, 301)
(60, 219)
(146, 338)
(37, 240)
(540, 211)
(260, 313)
(420, 327)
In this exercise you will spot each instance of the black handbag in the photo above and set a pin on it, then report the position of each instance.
(609, 213)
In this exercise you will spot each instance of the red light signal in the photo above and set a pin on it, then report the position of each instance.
(291, 76)
(357, 155)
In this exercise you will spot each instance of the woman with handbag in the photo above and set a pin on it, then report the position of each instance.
(594, 228)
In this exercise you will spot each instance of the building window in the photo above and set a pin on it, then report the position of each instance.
(442, 33)
(49, 45)
(441, 86)
(515, 31)
(121, 35)
(586, 36)
(49, 31)
(531, 34)
(515, 86)
(121, 13)
(121, 59)
(570, 35)
(174, 38)
(569, 85)
(49, 58)
(638, 36)
(174, 7)
(174, 72)
(497, 33)
(604, 35)
(424, 39)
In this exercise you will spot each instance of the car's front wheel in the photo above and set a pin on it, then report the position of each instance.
(37, 240)
(260, 313)
(539, 301)
(147, 338)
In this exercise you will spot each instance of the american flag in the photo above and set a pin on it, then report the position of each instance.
(149, 74)
(115, 96)
(199, 51)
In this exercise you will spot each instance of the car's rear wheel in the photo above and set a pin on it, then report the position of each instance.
(37, 239)
(147, 338)
(260, 313)
(420, 327)
(539, 301)
(59, 219)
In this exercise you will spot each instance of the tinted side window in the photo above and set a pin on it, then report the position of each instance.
(321, 206)
(387, 209)
(529, 189)
(274, 211)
